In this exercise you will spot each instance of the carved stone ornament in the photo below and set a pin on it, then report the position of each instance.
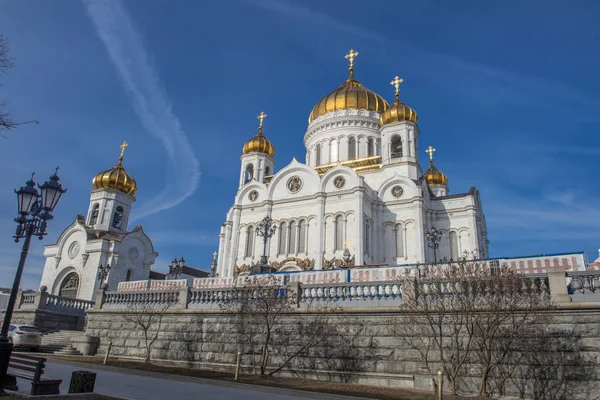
(294, 184)
(339, 182)
(306, 264)
(397, 191)
(253, 195)
(73, 250)
(84, 258)
(133, 253)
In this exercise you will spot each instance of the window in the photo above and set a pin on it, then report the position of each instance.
(267, 173)
(453, 246)
(371, 148)
(333, 151)
(128, 277)
(94, 215)
(69, 286)
(318, 154)
(12, 328)
(249, 241)
(249, 175)
(282, 231)
(396, 150)
(351, 148)
(292, 245)
(302, 238)
(399, 241)
(339, 233)
(118, 218)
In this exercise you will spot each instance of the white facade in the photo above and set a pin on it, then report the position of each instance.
(102, 238)
(354, 188)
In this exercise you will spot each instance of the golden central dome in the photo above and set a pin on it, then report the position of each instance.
(116, 177)
(350, 95)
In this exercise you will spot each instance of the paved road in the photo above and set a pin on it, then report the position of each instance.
(131, 384)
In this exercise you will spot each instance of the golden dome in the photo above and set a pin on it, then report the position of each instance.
(398, 111)
(434, 176)
(259, 143)
(116, 177)
(350, 95)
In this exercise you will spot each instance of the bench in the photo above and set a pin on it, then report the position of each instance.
(29, 367)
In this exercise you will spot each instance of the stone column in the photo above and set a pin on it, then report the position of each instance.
(41, 299)
(360, 228)
(320, 250)
(293, 293)
(558, 287)
(235, 242)
(100, 293)
(184, 299)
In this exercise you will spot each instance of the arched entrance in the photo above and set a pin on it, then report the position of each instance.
(69, 286)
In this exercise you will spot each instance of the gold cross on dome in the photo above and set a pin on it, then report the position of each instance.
(350, 57)
(215, 255)
(261, 118)
(430, 150)
(396, 83)
(123, 147)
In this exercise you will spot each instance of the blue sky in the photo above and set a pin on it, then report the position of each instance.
(506, 91)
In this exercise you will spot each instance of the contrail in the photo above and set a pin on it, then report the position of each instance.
(126, 49)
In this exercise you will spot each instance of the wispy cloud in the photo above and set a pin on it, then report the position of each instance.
(126, 49)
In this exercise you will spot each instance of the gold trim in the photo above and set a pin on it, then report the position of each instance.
(360, 165)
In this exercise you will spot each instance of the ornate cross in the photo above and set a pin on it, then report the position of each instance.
(396, 83)
(430, 150)
(123, 147)
(261, 118)
(350, 57)
(215, 255)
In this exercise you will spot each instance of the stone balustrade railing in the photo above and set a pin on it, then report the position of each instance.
(28, 300)
(153, 298)
(68, 305)
(584, 285)
(352, 294)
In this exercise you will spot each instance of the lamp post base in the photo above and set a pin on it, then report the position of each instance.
(6, 348)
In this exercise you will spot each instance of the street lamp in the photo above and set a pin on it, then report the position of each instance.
(177, 267)
(34, 211)
(103, 273)
(433, 237)
(265, 229)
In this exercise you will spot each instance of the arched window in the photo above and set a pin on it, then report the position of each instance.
(396, 150)
(249, 241)
(371, 147)
(249, 175)
(94, 215)
(333, 151)
(339, 233)
(351, 148)
(399, 241)
(267, 173)
(302, 238)
(318, 154)
(292, 236)
(282, 236)
(453, 246)
(69, 286)
(118, 218)
(128, 276)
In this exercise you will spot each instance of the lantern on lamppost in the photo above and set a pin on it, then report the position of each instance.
(176, 268)
(103, 273)
(34, 210)
(433, 237)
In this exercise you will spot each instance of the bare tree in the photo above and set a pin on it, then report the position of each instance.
(6, 121)
(146, 317)
(466, 314)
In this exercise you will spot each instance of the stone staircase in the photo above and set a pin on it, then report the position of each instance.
(59, 343)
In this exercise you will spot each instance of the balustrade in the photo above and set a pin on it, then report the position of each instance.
(584, 285)
(130, 299)
(67, 304)
(28, 300)
(348, 292)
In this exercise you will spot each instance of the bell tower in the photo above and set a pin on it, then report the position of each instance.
(112, 198)
(257, 158)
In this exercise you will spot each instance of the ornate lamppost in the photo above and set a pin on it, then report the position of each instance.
(35, 210)
(433, 237)
(103, 273)
(265, 229)
(177, 267)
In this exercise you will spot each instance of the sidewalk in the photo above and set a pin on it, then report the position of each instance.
(138, 385)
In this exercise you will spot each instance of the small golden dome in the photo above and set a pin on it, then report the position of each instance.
(398, 111)
(350, 95)
(116, 177)
(259, 143)
(434, 176)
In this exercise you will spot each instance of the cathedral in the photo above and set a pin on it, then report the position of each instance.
(361, 189)
(100, 239)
